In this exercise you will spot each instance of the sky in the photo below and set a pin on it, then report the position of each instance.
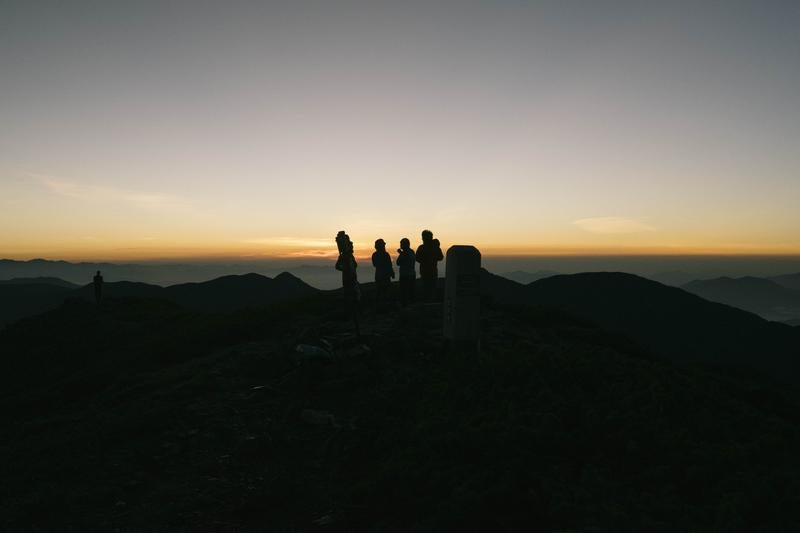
(157, 130)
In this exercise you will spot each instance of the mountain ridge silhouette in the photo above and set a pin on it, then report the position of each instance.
(790, 281)
(44, 280)
(227, 293)
(668, 321)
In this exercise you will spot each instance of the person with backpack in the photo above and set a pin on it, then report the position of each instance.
(407, 263)
(346, 264)
(428, 255)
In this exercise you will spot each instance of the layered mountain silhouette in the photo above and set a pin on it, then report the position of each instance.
(765, 297)
(165, 274)
(78, 273)
(665, 320)
(43, 280)
(676, 278)
(236, 292)
(22, 298)
(790, 281)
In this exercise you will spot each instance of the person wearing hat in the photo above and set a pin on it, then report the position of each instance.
(384, 272)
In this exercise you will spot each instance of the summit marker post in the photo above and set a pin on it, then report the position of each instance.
(462, 296)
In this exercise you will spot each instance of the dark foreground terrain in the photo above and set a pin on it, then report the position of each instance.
(142, 416)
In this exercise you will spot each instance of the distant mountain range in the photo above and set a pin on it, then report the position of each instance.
(20, 298)
(78, 273)
(773, 299)
(674, 278)
(319, 275)
(524, 277)
(40, 281)
(790, 281)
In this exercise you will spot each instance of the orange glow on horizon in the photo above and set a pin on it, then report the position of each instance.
(363, 252)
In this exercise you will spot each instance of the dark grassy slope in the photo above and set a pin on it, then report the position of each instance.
(122, 289)
(19, 300)
(666, 320)
(139, 416)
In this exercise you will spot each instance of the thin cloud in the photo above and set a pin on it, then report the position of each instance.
(94, 193)
(310, 254)
(612, 225)
(294, 242)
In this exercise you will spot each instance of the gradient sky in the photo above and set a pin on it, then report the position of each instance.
(249, 129)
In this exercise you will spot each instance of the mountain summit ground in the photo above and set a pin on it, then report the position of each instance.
(141, 415)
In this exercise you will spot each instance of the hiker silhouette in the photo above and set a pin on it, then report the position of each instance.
(429, 253)
(98, 287)
(346, 263)
(407, 263)
(384, 273)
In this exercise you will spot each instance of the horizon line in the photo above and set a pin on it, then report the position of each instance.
(318, 259)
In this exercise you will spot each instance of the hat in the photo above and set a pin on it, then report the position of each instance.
(380, 242)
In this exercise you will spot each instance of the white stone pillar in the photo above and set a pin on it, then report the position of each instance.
(462, 294)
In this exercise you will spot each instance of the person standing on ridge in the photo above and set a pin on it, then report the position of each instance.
(407, 262)
(429, 253)
(384, 272)
(347, 265)
(98, 287)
